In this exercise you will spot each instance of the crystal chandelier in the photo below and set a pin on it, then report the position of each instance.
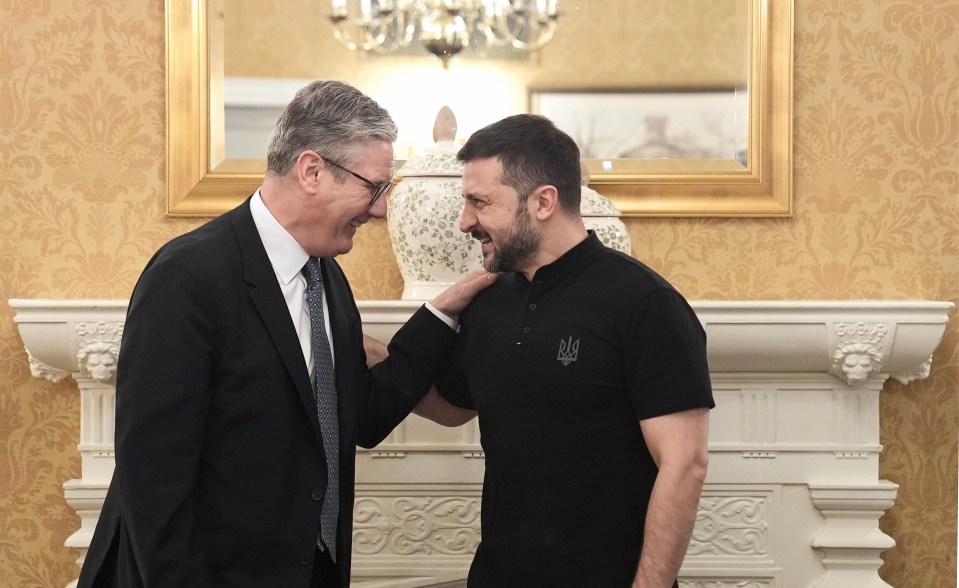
(444, 27)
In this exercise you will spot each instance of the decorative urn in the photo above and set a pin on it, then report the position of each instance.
(423, 219)
(600, 215)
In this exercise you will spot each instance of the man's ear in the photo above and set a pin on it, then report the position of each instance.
(307, 166)
(544, 202)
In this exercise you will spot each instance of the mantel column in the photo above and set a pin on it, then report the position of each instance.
(97, 417)
(851, 541)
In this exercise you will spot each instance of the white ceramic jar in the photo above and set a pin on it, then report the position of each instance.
(423, 219)
(600, 215)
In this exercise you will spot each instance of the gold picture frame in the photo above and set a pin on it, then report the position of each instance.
(201, 182)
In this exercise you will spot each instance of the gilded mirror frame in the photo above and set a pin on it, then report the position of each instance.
(197, 186)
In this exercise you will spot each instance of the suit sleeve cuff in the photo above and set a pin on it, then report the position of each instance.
(451, 323)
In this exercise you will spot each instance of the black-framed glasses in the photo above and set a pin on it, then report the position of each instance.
(376, 190)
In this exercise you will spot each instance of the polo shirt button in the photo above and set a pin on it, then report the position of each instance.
(306, 558)
(317, 494)
(532, 306)
(526, 329)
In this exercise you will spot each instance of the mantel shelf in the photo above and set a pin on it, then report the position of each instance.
(743, 336)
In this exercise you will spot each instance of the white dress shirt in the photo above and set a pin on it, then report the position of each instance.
(288, 259)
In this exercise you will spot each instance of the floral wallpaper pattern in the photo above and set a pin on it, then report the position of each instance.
(876, 159)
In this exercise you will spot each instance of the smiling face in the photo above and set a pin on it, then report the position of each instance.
(335, 208)
(493, 215)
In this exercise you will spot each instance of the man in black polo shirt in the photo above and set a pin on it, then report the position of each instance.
(588, 373)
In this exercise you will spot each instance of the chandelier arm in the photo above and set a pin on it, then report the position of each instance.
(444, 27)
(543, 37)
(346, 39)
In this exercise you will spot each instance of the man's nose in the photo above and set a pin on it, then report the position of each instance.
(467, 221)
(378, 210)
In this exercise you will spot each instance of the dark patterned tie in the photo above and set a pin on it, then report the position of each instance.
(324, 391)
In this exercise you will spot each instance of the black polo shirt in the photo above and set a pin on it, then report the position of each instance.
(561, 371)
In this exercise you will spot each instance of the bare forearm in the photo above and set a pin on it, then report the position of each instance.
(435, 408)
(669, 524)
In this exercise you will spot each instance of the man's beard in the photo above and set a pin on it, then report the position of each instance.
(516, 248)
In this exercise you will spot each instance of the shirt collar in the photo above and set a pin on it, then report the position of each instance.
(286, 255)
(570, 261)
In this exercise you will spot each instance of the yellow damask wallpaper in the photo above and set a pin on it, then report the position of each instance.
(877, 216)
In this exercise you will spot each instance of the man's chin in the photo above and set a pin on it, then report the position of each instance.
(345, 246)
(489, 261)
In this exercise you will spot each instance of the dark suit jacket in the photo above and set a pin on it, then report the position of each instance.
(220, 469)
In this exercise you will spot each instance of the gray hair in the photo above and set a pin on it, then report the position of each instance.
(332, 118)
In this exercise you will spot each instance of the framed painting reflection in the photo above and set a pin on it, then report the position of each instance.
(651, 124)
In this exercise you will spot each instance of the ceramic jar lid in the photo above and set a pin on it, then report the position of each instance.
(592, 203)
(439, 159)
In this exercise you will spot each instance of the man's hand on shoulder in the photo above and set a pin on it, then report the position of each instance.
(375, 351)
(457, 297)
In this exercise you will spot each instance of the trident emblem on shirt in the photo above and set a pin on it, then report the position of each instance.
(568, 350)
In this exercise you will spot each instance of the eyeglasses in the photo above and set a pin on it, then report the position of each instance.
(376, 190)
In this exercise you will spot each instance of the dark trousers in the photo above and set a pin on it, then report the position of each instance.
(325, 572)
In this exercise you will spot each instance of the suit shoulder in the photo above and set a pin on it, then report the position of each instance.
(201, 256)
(203, 240)
(207, 249)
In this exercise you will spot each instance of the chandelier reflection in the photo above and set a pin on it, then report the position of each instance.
(444, 27)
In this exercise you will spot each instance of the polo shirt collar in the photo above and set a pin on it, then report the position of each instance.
(570, 261)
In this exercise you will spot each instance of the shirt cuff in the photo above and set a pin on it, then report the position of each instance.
(453, 324)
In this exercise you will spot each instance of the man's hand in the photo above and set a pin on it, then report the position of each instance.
(454, 299)
(437, 409)
(375, 351)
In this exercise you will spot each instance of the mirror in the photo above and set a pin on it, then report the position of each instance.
(741, 72)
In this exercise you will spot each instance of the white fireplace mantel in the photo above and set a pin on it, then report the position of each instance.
(793, 496)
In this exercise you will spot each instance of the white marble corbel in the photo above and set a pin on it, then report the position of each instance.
(40, 370)
(98, 349)
(859, 350)
(920, 372)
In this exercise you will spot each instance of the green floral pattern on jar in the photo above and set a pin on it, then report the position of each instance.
(424, 230)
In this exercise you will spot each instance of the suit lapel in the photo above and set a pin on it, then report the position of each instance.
(269, 302)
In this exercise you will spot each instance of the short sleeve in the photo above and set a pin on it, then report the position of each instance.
(665, 356)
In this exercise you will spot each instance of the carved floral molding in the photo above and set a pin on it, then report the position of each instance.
(424, 525)
(731, 525)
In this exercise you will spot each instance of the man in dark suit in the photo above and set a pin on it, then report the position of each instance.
(226, 467)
